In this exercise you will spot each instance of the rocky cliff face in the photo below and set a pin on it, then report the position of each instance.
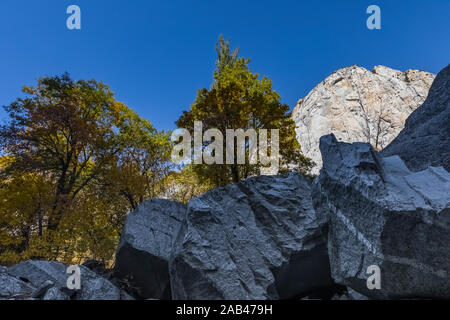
(356, 104)
(425, 140)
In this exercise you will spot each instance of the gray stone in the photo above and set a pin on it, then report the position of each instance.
(55, 294)
(145, 245)
(257, 239)
(125, 296)
(383, 214)
(357, 104)
(94, 287)
(350, 295)
(12, 287)
(425, 140)
(343, 297)
(39, 273)
(354, 295)
(43, 289)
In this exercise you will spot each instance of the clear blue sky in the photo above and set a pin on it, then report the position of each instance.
(156, 54)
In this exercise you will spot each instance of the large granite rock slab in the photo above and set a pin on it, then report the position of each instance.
(257, 239)
(425, 140)
(145, 246)
(357, 104)
(383, 214)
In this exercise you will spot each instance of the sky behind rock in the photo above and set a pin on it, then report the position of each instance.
(156, 54)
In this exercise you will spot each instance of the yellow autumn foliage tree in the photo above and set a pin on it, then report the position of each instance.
(74, 162)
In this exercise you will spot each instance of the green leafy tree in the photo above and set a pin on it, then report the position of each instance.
(241, 99)
(226, 55)
(142, 163)
(185, 184)
(24, 200)
(64, 129)
(75, 162)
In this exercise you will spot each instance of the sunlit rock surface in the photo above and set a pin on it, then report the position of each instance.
(357, 104)
(145, 246)
(380, 213)
(257, 239)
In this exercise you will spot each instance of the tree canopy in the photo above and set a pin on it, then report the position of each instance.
(76, 161)
(241, 99)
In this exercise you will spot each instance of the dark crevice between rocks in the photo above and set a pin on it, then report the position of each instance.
(150, 280)
(306, 274)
